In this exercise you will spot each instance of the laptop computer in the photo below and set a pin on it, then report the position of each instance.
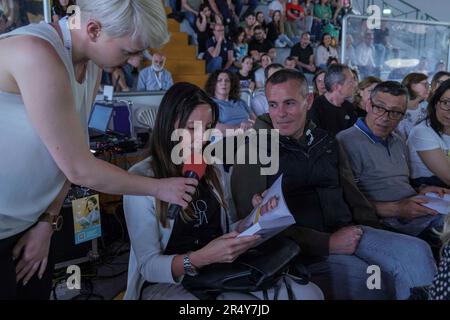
(99, 120)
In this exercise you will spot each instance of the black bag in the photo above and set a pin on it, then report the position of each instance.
(259, 268)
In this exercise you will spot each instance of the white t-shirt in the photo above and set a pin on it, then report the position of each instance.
(423, 138)
(259, 76)
(412, 117)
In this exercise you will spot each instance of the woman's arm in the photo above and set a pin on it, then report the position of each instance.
(438, 163)
(48, 98)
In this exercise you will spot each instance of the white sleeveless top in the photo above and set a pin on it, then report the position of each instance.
(29, 178)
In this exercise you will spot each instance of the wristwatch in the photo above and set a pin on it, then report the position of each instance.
(189, 269)
(55, 221)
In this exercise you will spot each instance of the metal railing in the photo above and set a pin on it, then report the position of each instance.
(399, 9)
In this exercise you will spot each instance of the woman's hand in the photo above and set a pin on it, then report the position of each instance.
(176, 190)
(224, 249)
(438, 190)
(32, 248)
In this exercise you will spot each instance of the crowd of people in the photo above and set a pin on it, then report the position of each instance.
(356, 154)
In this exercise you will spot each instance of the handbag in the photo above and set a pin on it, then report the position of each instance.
(259, 268)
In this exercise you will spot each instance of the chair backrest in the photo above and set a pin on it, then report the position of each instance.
(246, 95)
(146, 117)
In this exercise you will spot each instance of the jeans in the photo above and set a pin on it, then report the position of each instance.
(252, 5)
(405, 262)
(190, 17)
(283, 39)
(214, 64)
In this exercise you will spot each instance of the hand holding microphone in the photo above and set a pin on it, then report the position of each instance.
(190, 170)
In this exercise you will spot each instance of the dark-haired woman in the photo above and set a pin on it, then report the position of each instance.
(234, 113)
(165, 248)
(429, 142)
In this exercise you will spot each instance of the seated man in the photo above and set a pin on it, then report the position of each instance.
(332, 216)
(155, 77)
(332, 111)
(259, 44)
(379, 161)
(219, 54)
(290, 63)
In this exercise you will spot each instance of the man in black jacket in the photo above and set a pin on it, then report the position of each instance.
(332, 216)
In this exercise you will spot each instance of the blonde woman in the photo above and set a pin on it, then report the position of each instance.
(45, 99)
(440, 289)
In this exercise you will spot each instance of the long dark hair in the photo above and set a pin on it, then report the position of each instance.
(210, 86)
(432, 117)
(176, 106)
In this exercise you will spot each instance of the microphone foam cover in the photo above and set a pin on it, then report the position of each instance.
(198, 168)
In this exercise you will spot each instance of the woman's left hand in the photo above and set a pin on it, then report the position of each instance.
(33, 248)
(440, 191)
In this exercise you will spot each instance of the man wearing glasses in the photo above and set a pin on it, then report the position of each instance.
(379, 161)
(220, 50)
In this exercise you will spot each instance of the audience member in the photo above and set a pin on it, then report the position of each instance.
(429, 142)
(331, 111)
(219, 54)
(223, 87)
(155, 77)
(379, 163)
(361, 96)
(418, 90)
(259, 102)
(324, 52)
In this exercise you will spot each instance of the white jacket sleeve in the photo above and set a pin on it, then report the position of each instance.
(144, 231)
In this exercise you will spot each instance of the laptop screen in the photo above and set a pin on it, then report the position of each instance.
(100, 117)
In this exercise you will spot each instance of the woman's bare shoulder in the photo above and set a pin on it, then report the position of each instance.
(28, 55)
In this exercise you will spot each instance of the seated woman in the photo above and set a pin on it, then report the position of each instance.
(234, 113)
(361, 97)
(246, 75)
(437, 80)
(440, 289)
(164, 248)
(324, 52)
(429, 142)
(418, 89)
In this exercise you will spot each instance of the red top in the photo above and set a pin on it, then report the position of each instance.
(295, 9)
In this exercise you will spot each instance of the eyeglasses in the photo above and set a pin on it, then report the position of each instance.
(444, 105)
(380, 111)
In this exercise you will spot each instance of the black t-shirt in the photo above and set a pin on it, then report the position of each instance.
(303, 55)
(195, 234)
(330, 117)
(265, 46)
(246, 80)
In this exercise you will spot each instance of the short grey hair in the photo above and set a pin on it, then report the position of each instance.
(143, 20)
(335, 75)
(285, 75)
(393, 88)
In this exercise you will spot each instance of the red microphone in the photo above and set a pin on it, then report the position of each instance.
(190, 170)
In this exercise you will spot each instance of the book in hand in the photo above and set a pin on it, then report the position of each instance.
(272, 222)
(435, 202)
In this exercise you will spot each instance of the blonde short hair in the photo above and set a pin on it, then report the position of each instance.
(143, 20)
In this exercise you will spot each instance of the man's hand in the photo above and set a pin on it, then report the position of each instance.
(32, 248)
(411, 208)
(345, 240)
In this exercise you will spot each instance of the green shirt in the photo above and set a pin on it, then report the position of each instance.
(323, 12)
